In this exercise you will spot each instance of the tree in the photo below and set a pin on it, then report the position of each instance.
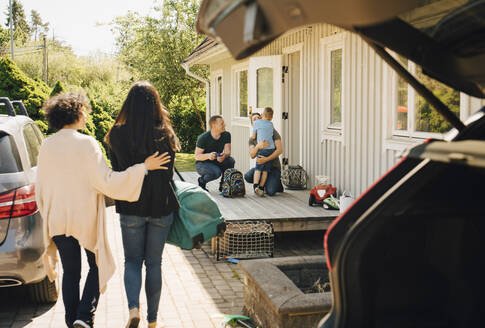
(4, 39)
(154, 49)
(36, 24)
(20, 26)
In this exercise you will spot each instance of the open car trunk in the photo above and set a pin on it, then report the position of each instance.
(410, 252)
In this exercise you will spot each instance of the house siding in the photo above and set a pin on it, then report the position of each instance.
(359, 159)
(361, 156)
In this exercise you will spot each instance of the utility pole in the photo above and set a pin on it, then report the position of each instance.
(11, 28)
(44, 62)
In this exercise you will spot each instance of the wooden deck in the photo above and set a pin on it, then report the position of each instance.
(287, 211)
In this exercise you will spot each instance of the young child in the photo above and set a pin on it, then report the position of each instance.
(263, 130)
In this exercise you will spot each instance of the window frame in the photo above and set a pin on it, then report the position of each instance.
(235, 105)
(328, 44)
(216, 101)
(411, 132)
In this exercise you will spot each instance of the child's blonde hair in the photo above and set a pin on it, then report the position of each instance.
(268, 112)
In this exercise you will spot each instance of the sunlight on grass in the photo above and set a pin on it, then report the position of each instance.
(185, 162)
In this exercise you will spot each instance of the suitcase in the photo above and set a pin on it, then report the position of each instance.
(198, 218)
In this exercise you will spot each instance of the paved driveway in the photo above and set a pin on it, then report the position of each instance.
(197, 292)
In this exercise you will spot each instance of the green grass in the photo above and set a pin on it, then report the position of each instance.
(185, 162)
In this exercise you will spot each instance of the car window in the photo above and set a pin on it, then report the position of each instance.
(32, 143)
(9, 155)
(3, 109)
(39, 134)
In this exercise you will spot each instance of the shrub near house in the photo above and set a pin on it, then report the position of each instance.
(15, 85)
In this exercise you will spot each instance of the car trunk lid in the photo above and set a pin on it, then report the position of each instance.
(444, 37)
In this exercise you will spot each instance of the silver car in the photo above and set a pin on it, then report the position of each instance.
(21, 238)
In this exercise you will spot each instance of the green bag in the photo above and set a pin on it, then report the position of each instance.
(331, 202)
(198, 218)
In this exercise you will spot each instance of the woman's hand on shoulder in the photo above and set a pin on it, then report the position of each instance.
(156, 162)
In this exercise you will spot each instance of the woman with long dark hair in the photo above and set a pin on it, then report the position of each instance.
(72, 176)
(143, 127)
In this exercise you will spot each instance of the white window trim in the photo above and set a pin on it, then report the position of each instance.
(215, 75)
(399, 139)
(238, 120)
(328, 44)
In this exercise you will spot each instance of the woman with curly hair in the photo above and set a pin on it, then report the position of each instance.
(72, 179)
(142, 127)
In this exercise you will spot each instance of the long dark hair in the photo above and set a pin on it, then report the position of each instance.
(145, 119)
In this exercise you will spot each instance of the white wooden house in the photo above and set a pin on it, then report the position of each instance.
(340, 109)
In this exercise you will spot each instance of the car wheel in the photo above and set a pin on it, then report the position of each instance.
(44, 291)
(311, 200)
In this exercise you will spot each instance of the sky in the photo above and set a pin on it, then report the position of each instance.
(76, 22)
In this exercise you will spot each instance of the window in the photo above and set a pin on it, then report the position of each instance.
(3, 109)
(333, 86)
(264, 85)
(32, 143)
(412, 115)
(401, 121)
(219, 94)
(39, 133)
(10, 158)
(336, 87)
(242, 93)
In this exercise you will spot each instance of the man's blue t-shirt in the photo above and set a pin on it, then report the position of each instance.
(264, 131)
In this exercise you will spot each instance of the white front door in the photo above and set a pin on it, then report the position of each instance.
(265, 86)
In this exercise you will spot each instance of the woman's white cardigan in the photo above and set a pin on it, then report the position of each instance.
(72, 176)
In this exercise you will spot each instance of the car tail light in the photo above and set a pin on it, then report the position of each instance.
(18, 202)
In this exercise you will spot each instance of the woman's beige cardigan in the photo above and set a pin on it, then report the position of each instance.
(72, 177)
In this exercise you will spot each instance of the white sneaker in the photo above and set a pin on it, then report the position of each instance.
(80, 324)
(259, 192)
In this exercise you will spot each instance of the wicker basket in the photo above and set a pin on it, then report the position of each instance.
(294, 177)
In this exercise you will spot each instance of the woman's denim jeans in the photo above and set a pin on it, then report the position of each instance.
(143, 241)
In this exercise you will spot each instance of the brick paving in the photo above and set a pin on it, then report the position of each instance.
(197, 292)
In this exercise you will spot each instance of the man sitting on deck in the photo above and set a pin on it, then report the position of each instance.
(273, 181)
(213, 152)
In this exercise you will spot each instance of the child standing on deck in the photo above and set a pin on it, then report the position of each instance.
(263, 131)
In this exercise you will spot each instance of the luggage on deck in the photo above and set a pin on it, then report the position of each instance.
(198, 218)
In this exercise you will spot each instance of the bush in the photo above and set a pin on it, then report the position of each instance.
(102, 122)
(109, 95)
(43, 126)
(15, 85)
(186, 124)
(58, 88)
